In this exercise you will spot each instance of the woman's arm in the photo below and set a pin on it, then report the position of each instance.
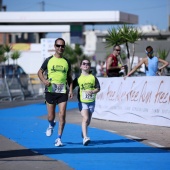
(136, 67)
(165, 63)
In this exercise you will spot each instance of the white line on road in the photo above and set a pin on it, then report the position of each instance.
(111, 131)
(155, 144)
(132, 137)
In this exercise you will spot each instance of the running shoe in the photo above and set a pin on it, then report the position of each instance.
(86, 141)
(49, 130)
(58, 142)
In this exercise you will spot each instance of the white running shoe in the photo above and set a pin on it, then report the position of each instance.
(58, 142)
(86, 141)
(49, 130)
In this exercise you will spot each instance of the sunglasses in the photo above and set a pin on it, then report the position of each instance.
(57, 45)
(117, 50)
(148, 52)
(87, 64)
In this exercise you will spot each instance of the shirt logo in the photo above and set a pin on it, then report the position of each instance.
(86, 86)
(58, 68)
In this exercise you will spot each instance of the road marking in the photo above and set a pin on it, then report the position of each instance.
(35, 152)
(155, 144)
(132, 137)
(111, 131)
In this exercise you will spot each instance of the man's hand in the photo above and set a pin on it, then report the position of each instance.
(47, 83)
(70, 94)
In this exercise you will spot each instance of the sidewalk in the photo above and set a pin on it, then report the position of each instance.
(14, 156)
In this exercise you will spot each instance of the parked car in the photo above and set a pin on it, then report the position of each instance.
(15, 71)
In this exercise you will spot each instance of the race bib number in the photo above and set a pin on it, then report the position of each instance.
(58, 88)
(86, 96)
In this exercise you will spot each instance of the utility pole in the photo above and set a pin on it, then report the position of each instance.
(2, 7)
(42, 3)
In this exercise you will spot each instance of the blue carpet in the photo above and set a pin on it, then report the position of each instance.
(107, 151)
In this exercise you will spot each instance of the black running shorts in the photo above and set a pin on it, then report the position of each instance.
(55, 98)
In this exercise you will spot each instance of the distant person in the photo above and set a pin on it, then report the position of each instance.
(103, 68)
(88, 87)
(151, 63)
(58, 76)
(99, 69)
(112, 67)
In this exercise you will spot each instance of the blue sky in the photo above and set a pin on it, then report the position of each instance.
(154, 12)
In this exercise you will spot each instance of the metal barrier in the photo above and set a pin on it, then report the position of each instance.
(13, 88)
(35, 86)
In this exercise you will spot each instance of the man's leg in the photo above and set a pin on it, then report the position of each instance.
(51, 112)
(51, 118)
(62, 117)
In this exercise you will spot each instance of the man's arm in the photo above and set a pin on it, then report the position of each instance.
(70, 84)
(109, 63)
(41, 77)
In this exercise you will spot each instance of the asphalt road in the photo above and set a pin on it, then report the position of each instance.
(24, 158)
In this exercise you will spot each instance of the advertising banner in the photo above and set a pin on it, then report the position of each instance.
(144, 100)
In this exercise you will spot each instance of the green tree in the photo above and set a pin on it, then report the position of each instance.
(163, 54)
(70, 54)
(2, 57)
(124, 35)
(7, 48)
(74, 55)
(15, 56)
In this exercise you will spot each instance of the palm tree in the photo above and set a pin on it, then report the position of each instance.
(113, 38)
(15, 56)
(1, 55)
(3, 58)
(7, 48)
(123, 35)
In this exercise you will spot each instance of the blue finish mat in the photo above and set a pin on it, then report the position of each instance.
(106, 151)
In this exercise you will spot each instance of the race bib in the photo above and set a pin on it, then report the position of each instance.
(58, 88)
(86, 96)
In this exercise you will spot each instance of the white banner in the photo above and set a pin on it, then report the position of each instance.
(143, 100)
